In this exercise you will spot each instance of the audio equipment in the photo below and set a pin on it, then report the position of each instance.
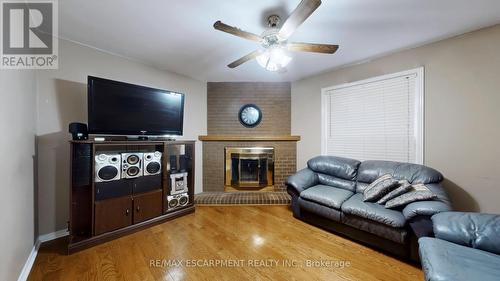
(81, 169)
(78, 131)
(183, 162)
(152, 163)
(177, 201)
(131, 165)
(176, 152)
(178, 183)
(107, 167)
(173, 163)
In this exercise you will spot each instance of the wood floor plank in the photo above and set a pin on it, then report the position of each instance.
(267, 241)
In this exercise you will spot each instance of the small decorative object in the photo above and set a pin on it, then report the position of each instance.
(250, 115)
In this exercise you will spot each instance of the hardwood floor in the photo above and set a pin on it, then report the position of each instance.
(254, 242)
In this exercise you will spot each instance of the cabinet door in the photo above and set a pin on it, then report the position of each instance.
(112, 214)
(147, 206)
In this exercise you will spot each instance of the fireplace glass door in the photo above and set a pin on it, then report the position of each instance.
(249, 167)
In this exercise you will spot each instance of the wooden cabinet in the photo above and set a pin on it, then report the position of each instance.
(104, 210)
(121, 212)
(147, 206)
(112, 214)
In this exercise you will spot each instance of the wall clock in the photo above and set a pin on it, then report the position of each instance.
(250, 115)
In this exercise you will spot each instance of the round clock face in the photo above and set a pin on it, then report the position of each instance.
(250, 115)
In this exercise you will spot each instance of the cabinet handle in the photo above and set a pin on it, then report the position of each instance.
(138, 208)
(127, 212)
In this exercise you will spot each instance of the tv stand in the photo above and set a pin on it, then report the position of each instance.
(102, 211)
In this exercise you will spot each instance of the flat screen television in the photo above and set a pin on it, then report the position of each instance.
(117, 108)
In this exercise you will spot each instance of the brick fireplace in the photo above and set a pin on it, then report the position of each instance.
(241, 159)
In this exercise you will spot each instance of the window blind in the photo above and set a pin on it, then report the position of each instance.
(379, 119)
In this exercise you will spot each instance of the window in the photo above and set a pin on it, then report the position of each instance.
(375, 119)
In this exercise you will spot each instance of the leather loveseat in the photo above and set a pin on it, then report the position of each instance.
(329, 194)
(466, 247)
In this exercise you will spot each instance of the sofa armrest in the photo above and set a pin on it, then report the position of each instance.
(429, 208)
(302, 180)
(424, 208)
(476, 230)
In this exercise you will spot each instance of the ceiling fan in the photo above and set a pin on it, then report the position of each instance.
(273, 55)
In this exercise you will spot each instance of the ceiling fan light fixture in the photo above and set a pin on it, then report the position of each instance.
(274, 59)
(273, 55)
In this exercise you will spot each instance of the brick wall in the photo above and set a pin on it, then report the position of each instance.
(224, 100)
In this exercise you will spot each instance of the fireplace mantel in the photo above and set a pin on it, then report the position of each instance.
(247, 138)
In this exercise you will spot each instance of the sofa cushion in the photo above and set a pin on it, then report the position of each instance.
(476, 230)
(379, 188)
(419, 192)
(373, 211)
(443, 260)
(326, 195)
(340, 167)
(397, 235)
(337, 182)
(370, 170)
(404, 186)
(318, 209)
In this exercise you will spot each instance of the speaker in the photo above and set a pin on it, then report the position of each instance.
(79, 131)
(177, 201)
(183, 163)
(173, 163)
(132, 165)
(152, 163)
(81, 158)
(107, 167)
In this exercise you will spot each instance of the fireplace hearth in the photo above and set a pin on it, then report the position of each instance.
(249, 168)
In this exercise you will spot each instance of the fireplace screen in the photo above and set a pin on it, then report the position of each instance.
(249, 167)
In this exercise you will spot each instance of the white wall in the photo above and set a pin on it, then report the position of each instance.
(62, 99)
(462, 113)
(17, 148)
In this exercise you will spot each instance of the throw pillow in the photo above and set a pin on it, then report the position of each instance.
(419, 192)
(404, 186)
(379, 188)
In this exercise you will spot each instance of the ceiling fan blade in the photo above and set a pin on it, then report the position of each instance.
(314, 48)
(298, 16)
(236, 31)
(244, 59)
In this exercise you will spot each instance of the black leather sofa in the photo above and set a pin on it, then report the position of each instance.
(328, 194)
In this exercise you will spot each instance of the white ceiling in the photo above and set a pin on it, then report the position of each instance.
(178, 35)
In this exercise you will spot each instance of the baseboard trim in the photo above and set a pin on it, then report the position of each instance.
(52, 236)
(25, 272)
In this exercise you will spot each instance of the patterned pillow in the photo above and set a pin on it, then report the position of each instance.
(419, 192)
(404, 186)
(379, 188)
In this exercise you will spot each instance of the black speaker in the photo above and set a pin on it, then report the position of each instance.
(82, 164)
(79, 131)
(173, 163)
(183, 161)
